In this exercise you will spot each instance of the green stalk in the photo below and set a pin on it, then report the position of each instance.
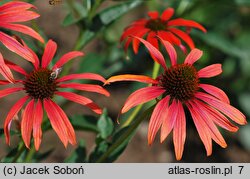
(19, 152)
(126, 135)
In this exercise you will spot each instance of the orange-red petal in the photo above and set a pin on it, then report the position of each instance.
(49, 53)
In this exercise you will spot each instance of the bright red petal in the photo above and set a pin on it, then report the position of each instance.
(127, 77)
(81, 100)
(37, 123)
(86, 87)
(64, 118)
(202, 131)
(15, 67)
(12, 112)
(184, 36)
(23, 29)
(216, 92)
(18, 16)
(88, 76)
(49, 53)
(225, 108)
(154, 52)
(56, 122)
(193, 56)
(167, 14)
(27, 123)
(151, 38)
(179, 132)
(14, 46)
(8, 91)
(15, 6)
(136, 42)
(169, 120)
(186, 23)
(218, 118)
(67, 57)
(5, 70)
(208, 123)
(159, 114)
(171, 51)
(210, 71)
(142, 95)
(153, 14)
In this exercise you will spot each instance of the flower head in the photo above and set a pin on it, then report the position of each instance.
(161, 26)
(40, 86)
(11, 14)
(178, 86)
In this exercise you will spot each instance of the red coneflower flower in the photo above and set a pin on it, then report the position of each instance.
(41, 85)
(180, 86)
(12, 13)
(160, 26)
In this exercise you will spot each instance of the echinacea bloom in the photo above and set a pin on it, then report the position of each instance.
(179, 86)
(40, 86)
(11, 14)
(162, 26)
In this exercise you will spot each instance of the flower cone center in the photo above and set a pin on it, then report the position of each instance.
(39, 84)
(180, 81)
(156, 25)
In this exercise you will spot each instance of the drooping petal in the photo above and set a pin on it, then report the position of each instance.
(15, 16)
(37, 123)
(179, 132)
(86, 87)
(169, 120)
(202, 131)
(184, 36)
(159, 114)
(154, 52)
(142, 95)
(49, 53)
(136, 42)
(186, 23)
(68, 125)
(27, 123)
(167, 14)
(208, 123)
(12, 112)
(66, 58)
(23, 29)
(81, 100)
(8, 91)
(130, 31)
(210, 71)
(223, 107)
(4, 82)
(153, 14)
(14, 46)
(151, 38)
(15, 67)
(5, 70)
(171, 51)
(193, 56)
(216, 92)
(173, 39)
(56, 122)
(15, 6)
(128, 77)
(217, 117)
(89, 76)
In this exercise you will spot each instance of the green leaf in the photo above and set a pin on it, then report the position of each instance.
(78, 12)
(79, 155)
(104, 19)
(84, 123)
(105, 125)
(98, 151)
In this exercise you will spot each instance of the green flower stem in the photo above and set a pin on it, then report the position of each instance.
(126, 135)
(19, 152)
(131, 118)
(94, 8)
(30, 155)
